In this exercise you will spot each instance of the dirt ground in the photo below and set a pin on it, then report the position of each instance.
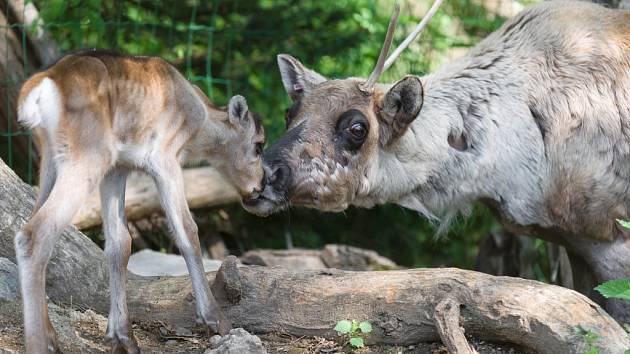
(82, 332)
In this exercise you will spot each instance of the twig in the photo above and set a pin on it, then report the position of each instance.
(447, 323)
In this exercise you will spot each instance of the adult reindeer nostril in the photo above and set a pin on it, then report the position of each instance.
(280, 177)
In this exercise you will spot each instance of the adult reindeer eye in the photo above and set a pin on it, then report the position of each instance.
(352, 130)
(358, 130)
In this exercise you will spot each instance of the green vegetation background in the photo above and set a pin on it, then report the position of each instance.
(230, 47)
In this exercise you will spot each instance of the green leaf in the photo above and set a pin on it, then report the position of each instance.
(357, 342)
(618, 288)
(365, 327)
(355, 326)
(343, 326)
(592, 350)
(625, 224)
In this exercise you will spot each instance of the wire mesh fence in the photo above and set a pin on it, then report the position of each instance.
(225, 47)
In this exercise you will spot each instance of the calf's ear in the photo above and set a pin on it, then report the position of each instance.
(398, 108)
(237, 110)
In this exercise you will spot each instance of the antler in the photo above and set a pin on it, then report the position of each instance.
(412, 35)
(368, 86)
(382, 64)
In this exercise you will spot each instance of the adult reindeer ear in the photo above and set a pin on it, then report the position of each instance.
(237, 110)
(296, 78)
(398, 108)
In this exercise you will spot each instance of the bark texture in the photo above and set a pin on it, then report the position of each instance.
(76, 272)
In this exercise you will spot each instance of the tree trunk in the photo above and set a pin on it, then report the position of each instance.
(204, 187)
(20, 56)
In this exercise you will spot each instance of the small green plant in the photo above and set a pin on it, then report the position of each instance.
(355, 331)
(589, 337)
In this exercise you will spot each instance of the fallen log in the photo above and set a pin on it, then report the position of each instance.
(77, 271)
(204, 187)
(402, 306)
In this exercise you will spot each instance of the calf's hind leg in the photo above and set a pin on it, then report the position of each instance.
(35, 242)
(117, 250)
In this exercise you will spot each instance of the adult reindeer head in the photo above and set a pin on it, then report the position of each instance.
(339, 133)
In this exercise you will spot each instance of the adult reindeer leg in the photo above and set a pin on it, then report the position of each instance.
(117, 249)
(607, 261)
(170, 184)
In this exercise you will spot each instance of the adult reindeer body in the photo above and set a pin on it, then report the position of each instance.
(534, 121)
(96, 116)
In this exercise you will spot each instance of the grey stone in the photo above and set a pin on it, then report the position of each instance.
(238, 341)
(152, 263)
(8, 280)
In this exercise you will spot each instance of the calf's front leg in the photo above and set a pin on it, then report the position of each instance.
(170, 184)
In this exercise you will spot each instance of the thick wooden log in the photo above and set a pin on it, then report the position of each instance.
(401, 305)
(204, 187)
(77, 272)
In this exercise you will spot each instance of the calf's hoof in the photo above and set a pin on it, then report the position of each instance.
(51, 340)
(216, 322)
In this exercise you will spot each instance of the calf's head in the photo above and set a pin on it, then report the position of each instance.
(240, 156)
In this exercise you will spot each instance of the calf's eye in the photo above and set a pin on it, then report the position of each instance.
(259, 149)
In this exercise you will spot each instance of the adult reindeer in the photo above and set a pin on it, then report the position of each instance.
(534, 121)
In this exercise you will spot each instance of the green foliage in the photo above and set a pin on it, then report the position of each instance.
(228, 47)
(617, 289)
(589, 338)
(625, 224)
(354, 331)
(343, 327)
(356, 342)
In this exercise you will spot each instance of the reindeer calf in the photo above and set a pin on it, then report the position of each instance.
(96, 116)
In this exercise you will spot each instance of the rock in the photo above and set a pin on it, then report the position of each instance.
(332, 256)
(152, 263)
(354, 258)
(291, 259)
(238, 341)
(8, 280)
(183, 331)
